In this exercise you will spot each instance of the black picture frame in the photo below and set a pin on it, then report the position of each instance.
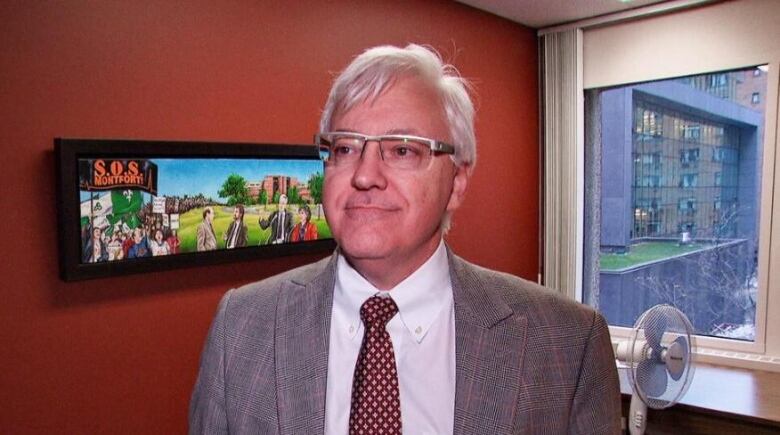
(70, 153)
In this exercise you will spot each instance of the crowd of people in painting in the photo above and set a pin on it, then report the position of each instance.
(153, 239)
(149, 240)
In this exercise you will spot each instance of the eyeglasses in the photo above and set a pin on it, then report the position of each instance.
(398, 151)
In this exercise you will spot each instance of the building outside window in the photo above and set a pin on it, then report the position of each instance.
(680, 224)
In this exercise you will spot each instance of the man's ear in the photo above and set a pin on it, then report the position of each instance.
(459, 183)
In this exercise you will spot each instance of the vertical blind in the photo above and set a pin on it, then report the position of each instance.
(561, 79)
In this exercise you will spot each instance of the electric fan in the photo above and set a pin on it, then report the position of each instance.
(659, 357)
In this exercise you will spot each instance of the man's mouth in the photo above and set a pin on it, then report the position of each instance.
(368, 212)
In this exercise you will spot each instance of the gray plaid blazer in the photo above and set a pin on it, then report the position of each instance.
(527, 359)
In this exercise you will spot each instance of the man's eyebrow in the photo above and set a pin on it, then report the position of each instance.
(394, 131)
(407, 131)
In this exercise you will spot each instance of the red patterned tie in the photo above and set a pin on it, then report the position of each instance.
(376, 404)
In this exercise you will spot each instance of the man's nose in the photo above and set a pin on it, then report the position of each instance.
(370, 169)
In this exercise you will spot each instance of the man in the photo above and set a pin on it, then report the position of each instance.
(394, 332)
(140, 246)
(206, 239)
(280, 222)
(95, 249)
(236, 235)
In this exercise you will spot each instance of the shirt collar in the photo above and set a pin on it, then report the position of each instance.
(420, 297)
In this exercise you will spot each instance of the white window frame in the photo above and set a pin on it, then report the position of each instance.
(764, 352)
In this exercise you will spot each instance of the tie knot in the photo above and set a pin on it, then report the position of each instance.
(377, 310)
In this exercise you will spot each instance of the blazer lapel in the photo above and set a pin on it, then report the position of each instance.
(489, 349)
(302, 336)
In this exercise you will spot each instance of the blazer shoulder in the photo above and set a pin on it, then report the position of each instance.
(264, 292)
(541, 305)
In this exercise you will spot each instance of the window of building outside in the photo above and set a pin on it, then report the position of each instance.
(680, 176)
(690, 180)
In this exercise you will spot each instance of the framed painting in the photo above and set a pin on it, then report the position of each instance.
(129, 206)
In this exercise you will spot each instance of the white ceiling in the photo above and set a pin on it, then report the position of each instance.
(545, 13)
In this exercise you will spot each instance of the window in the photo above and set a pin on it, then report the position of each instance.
(689, 156)
(755, 99)
(718, 80)
(651, 181)
(724, 154)
(648, 123)
(647, 216)
(597, 59)
(692, 132)
(687, 204)
(647, 205)
(692, 228)
(653, 159)
(690, 180)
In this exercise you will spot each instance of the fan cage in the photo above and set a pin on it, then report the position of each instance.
(673, 324)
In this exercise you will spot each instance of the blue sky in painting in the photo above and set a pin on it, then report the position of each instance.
(179, 177)
(193, 176)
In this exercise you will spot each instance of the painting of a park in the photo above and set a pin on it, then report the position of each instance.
(133, 208)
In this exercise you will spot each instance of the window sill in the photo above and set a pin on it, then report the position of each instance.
(720, 399)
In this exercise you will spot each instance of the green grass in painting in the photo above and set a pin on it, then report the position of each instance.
(188, 225)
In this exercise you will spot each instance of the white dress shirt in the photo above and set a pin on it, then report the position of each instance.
(423, 335)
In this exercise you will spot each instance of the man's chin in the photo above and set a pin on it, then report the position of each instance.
(369, 247)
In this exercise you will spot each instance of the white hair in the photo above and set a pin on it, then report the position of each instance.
(373, 71)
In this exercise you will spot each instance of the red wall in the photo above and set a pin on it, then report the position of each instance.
(120, 355)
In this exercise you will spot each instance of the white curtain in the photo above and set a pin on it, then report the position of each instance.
(562, 114)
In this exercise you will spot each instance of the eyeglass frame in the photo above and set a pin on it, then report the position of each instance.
(435, 146)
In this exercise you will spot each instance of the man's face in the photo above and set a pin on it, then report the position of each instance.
(236, 214)
(282, 202)
(379, 213)
(138, 235)
(209, 216)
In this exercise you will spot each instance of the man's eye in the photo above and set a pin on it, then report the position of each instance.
(342, 150)
(404, 152)
(346, 148)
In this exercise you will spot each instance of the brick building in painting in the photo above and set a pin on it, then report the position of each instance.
(278, 183)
